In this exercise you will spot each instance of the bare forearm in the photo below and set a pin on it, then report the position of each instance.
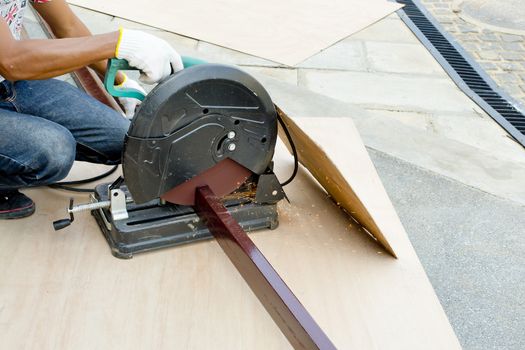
(75, 29)
(65, 24)
(41, 59)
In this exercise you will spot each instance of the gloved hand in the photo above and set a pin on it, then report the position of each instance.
(153, 56)
(128, 103)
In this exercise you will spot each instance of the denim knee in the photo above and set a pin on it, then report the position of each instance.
(103, 142)
(115, 144)
(54, 157)
(113, 133)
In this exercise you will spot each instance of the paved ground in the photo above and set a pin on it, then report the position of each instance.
(501, 52)
(408, 109)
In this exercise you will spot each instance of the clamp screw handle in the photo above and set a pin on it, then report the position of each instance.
(60, 224)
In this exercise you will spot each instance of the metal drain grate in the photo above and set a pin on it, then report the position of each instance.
(465, 72)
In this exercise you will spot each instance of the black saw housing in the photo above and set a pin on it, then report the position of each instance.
(184, 127)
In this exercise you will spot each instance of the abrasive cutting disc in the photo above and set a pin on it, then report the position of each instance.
(209, 125)
(223, 178)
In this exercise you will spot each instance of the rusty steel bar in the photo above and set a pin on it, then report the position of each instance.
(286, 310)
(88, 80)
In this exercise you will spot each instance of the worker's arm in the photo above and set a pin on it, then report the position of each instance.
(65, 24)
(40, 59)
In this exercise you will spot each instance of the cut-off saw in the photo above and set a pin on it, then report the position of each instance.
(208, 125)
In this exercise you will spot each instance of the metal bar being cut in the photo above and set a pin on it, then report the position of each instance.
(279, 301)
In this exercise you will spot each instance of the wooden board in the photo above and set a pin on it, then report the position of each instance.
(287, 32)
(65, 290)
(346, 179)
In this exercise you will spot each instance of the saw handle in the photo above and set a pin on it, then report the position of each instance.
(115, 65)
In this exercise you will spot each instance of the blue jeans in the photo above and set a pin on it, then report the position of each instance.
(45, 125)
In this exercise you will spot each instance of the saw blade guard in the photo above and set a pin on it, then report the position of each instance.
(195, 119)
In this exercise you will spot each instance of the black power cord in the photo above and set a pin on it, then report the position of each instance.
(66, 185)
(294, 151)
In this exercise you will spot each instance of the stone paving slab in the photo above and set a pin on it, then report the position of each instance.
(491, 173)
(346, 55)
(286, 75)
(389, 91)
(401, 58)
(488, 139)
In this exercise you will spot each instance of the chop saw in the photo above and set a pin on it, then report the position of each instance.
(208, 125)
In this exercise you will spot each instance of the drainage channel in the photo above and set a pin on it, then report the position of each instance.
(463, 70)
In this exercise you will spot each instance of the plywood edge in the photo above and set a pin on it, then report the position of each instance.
(312, 156)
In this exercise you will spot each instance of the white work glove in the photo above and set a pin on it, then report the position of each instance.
(128, 103)
(154, 57)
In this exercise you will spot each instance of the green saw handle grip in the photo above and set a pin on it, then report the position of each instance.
(115, 65)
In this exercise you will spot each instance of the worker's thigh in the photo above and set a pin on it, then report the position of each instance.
(98, 130)
(33, 151)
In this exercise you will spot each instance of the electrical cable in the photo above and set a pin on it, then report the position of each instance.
(294, 151)
(66, 185)
(71, 189)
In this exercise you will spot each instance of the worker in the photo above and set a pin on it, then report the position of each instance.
(46, 124)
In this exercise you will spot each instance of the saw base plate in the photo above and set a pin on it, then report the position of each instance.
(153, 226)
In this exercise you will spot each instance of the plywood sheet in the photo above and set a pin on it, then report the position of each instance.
(287, 32)
(330, 147)
(64, 290)
(338, 160)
